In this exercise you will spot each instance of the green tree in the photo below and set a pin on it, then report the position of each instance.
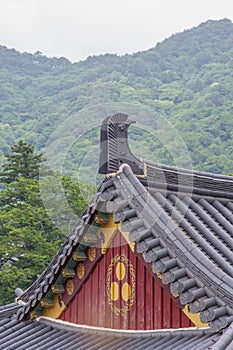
(21, 162)
(28, 237)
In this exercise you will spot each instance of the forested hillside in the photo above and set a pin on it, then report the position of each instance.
(188, 77)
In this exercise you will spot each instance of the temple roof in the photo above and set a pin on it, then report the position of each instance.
(187, 240)
(45, 333)
(181, 222)
(7, 311)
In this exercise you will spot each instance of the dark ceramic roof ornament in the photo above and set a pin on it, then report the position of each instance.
(114, 147)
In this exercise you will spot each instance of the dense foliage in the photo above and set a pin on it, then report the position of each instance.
(20, 163)
(188, 76)
(28, 237)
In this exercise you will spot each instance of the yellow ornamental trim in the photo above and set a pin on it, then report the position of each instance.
(58, 308)
(195, 318)
(126, 237)
(120, 271)
(108, 231)
(114, 291)
(120, 285)
(126, 291)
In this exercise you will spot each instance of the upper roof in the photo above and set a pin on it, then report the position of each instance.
(187, 240)
(180, 220)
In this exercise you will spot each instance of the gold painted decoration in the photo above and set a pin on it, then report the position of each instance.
(45, 302)
(68, 273)
(91, 253)
(104, 251)
(79, 256)
(126, 237)
(69, 287)
(101, 218)
(126, 291)
(107, 233)
(80, 271)
(114, 291)
(120, 271)
(57, 309)
(120, 284)
(195, 318)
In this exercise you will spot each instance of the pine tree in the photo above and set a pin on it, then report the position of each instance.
(28, 237)
(21, 162)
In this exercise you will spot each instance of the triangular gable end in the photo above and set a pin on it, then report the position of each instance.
(113, 288)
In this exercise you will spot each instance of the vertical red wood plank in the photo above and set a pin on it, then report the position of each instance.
(81, 306)
(148, 300)
(185, 321)
(65, 316)
(73, 310)
(175, 315)
(166, 310)
(87, 302)
(140, 289)
(69, 312)
(77, 311)
(129, 256)
(158, 306)
(132, 322)
(122, 321)
(95, 295)
(108, 313)
(102, 293)
(116, 319)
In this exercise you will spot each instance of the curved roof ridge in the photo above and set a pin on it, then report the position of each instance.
(9, 310)
(64, 325)
(41, 334)
(187, 171)
(115, 150)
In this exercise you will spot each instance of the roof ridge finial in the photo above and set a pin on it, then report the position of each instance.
(114, 147)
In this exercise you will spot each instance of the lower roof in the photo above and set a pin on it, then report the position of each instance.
(7, 311)
(47, 334)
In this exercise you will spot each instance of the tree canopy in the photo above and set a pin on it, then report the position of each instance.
(28, 237)
(21, 162)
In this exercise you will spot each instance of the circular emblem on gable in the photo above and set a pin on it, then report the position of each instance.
(120, 284)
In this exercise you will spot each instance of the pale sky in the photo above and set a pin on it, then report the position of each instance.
(76, 29)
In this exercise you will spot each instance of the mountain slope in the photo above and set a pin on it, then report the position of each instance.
(188, 77)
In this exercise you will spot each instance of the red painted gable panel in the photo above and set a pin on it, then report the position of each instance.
(121, 293)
